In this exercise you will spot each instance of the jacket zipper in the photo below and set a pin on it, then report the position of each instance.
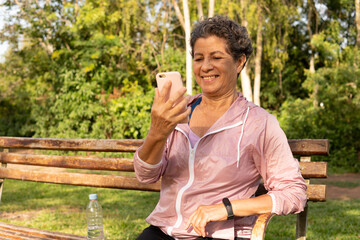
(191, 174)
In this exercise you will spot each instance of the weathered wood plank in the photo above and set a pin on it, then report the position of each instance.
(298, 146)
(77, 162)
(34, 233)
(313, 169)
(8, 234)
(308, 169)
(309, 146)
(103, 145)
(91, 180)
(316, 192)
(258, 232)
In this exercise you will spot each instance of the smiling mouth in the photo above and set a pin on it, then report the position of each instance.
(210, 77)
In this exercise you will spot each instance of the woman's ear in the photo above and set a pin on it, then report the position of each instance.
(241, 63)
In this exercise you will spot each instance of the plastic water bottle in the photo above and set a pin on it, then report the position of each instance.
(95, 229)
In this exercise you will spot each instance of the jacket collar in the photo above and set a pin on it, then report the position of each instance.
(234, 115)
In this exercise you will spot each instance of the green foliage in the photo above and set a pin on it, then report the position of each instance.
(335, 118)
(80, 69)
(125, 117)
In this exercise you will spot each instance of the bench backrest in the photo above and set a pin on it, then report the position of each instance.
(304, 148)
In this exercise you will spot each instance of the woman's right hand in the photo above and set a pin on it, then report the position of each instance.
(167, 112)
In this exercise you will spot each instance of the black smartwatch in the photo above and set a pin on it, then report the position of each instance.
(228, 207)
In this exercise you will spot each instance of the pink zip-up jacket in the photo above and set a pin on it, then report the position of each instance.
(243, 146)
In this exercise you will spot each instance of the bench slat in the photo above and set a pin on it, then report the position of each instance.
(313, 169)
(103, 145)
(316, 192)
(32, 233)
(77, 162)
(308, 169)
(307, 147)
(92, 180)
(298, 146)
(19, 235)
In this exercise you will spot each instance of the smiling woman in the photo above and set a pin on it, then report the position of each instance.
(215, 69)
(210, 167)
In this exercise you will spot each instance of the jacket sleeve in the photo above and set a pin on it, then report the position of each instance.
(148, 173)
(280, 170)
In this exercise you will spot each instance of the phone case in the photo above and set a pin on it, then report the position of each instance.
(174, 77)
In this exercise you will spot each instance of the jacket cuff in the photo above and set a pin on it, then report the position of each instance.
(145, 164)
(273, 210)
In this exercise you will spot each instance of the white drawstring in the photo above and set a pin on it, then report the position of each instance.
(241, 135)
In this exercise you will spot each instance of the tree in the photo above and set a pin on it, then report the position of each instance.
(245, 78)
(357, 21)
(259, 39)
(188, 48)
(211, 8)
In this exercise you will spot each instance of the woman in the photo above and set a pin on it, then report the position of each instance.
(210, 168)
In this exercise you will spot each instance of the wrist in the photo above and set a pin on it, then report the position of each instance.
(229, 209)
(156, 136)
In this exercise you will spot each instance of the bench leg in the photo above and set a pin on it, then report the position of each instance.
(301, 224)
(3, 165)
(1, 187)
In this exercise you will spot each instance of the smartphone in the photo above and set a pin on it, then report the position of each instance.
(174, 77)
(176, 84)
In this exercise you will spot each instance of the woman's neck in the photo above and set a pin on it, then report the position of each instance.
(222, 103)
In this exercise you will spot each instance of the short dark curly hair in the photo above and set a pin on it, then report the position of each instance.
(236, 36)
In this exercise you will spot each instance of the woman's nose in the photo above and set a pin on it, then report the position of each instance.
(207, 66)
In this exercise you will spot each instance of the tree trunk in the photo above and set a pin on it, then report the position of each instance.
(178, 14)
(200, 9)
(188, 48)
(211, 8)
(245, 78)
(246, 84)
(259, 39)
(357, 21)
(311, 8)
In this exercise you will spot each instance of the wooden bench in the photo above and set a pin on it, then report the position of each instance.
(10, 155)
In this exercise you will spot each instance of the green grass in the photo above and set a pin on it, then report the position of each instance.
(62, 208)
(333, 219)
(342, 183)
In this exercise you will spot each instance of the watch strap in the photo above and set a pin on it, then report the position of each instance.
(229, 209)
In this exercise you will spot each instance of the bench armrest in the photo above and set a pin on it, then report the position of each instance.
(258, 232)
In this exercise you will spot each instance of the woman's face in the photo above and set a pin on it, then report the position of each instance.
(214, 68)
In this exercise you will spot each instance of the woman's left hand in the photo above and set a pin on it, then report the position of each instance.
(205, 214)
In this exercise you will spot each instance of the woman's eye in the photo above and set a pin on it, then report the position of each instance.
(197, 59)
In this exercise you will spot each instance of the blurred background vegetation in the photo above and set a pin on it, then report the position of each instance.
(86, 69)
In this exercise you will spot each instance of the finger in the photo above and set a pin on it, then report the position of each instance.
(198, 223)
(200, 226)
(157, 93)
(165, 91)
(156, 97)
(179, 94)
(189, 221)
(182, 116)
(181, 104)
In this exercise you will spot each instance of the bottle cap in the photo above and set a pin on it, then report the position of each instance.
(93, 196)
